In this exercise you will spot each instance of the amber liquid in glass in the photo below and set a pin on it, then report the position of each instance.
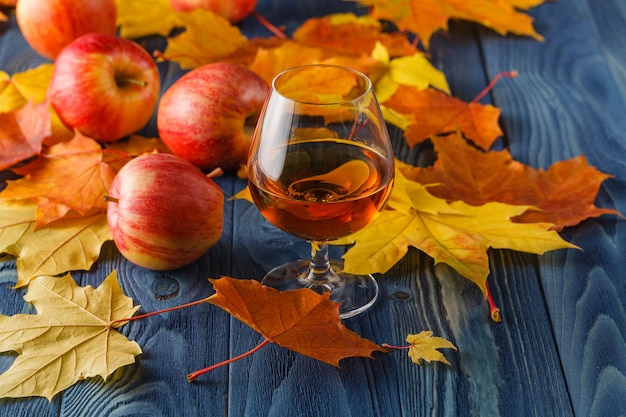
(322, 189)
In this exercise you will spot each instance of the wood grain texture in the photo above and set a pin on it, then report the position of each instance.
(560, 350)
(15, 53)
(570, 99)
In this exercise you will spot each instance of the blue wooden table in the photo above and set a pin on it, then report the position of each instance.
(560, 349)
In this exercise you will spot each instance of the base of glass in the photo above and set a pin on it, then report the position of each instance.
(354, 293)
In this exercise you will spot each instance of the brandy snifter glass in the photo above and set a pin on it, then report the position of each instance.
(321, 167)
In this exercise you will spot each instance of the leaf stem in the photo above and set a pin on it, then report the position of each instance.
(192, 376)
(494, 81)
(388, 346)
(269, 26)
(494, 310)
(356, 127)
(165, 310)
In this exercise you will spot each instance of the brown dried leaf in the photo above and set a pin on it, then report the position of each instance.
(299, 320)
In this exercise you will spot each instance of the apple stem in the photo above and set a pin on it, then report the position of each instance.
(217, 172)
(192, 376)
(279, 33)
(132, 81)
(110, 199)
(494, 81)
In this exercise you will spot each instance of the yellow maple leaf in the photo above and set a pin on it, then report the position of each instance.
(69, 339)
(425, 17)
(456, 234)
(21, 87)
(139, 18)
(10, 97)
(72, 243)
(424, 346)
(414, 70)
(33, 83)
(208, 37)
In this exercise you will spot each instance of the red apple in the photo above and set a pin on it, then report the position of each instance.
(163, 212)
(48, 26)
(208, 115)
(105, 86)
(233, 10)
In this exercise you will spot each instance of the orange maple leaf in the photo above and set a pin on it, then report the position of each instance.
(564, 194)
(22, 132)
(425, 17)
(434, 112)
(349, 34)
(270, 61)
(246, 53)
(299, 320)
(71, 175)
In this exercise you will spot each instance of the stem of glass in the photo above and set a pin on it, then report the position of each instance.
(321, 275)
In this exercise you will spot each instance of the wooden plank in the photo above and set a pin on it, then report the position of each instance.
(608, 19)
(597, 330)
(568, 100)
